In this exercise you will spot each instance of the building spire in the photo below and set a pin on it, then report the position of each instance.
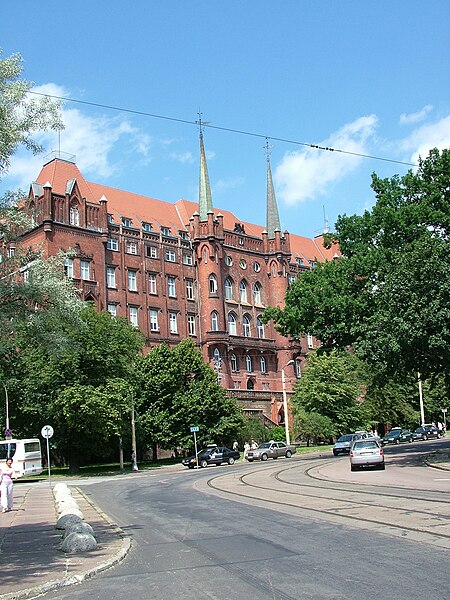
(204, 195)
(272, 216)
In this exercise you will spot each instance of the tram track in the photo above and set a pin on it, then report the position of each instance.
(396, 511)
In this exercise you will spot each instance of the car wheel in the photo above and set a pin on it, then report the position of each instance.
(335, 453)
(264, 456)
(353, 468)
(397, 441)
(288, 454)
(424, 437)
(203, 463)
(190, 466)
(231, 461)
(382, 467)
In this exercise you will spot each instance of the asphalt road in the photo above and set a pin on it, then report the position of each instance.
(195, 537)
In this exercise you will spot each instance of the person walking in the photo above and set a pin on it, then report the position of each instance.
(235, 445)
(246, 449)
(6, 486)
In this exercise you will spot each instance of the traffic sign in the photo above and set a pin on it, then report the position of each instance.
(195, 429)
(47, 431)
(8, 434)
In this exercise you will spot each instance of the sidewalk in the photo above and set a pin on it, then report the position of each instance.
(30, 559)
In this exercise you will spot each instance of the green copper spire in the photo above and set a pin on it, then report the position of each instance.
(272, 216)
(205, 198)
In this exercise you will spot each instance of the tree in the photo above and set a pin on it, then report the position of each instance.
(387, 296)
(21, 116)
(177, 390)
(312, 426)
(333, 385)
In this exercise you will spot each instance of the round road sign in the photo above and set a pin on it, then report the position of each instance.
(47, 431)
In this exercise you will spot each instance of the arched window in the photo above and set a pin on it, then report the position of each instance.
(260, 327)
(228, 288)
(246, 325)
(74, 216)
(250, 384)
(243, 291)
(231, 324)
(298, 368)
(262, 364)
(214, 321)
(212, 284)
(234, 362)
(217, 359)
(257, 294)
(249, 363)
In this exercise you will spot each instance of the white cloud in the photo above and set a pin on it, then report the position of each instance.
(309, 172)
(183, 157)
(416, 117)
(90, 138)
(422, 139)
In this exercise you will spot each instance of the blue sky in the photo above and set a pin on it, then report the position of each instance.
(366, 77)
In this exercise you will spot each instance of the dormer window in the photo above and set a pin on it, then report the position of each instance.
(126, 222)
(184, 235)
(147, 227)
(165, 231)
(74, 216)
(110, 219)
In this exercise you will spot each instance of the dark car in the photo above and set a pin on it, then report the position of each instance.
(342, 446)
(396, 436)
(426, 432)
(213, 455)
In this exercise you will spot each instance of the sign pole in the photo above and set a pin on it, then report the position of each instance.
(48, 463)
(194, 431)
(47, 432)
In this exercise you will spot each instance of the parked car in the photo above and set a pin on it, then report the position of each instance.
(271, 450)
(426, 432)
(365, 453)
(342, 446)
(213, 455)
(396, 436)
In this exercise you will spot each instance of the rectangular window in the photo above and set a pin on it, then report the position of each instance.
(111, 277)
(131, 247)
(151, 252)
(153, 320)
(11, 252)
(152, 289)
(126, 222)
(171, 290)
(173, 326)
(133, 314)
(132, 280)
(112, 309)
(84, 270)
(190, 289)
(187, 259)
(170, 255)
(191, 325)
(68, 267)
(165, 230)
(310, 341)
(113, 244)
(74, 217)
(147, 227)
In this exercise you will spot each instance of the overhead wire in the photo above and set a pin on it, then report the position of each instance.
(222, 128)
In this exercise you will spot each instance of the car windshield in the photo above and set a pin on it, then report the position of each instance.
(345, 438)
(365, 444)
(419, 430)
(265, 445)
(395, 432)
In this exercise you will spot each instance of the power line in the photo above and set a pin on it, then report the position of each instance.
(219, 128)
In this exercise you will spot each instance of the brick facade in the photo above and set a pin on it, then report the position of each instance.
(176, 275)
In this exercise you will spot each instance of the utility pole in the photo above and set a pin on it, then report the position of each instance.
(133, 441)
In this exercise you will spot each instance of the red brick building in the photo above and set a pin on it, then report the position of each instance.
(182, 270)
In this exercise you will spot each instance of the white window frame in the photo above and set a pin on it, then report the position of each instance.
(110, 277)
(192, 329)
(133, 315)
(112, 309)
(153, 318)
(85, 270)
(74, 216)
(68, 267)
(152, 284)
(246, 326)
(173, 322)
(232, 324)
(310, 341)
(131, 247)
(113, 244)
(171, 287)
(214, 321)
(132, 280)
(212, 284)
(187, 259)
(190, 294)
(257, 293)
(249, 363)
(243, 291)
(151, 252)
(260, 328)
(228, 288)
(234, 363)
(170, 255)
(263, 364)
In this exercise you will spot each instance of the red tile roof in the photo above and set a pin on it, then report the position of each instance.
(159, 213)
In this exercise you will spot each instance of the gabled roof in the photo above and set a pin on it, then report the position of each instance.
(176, 216)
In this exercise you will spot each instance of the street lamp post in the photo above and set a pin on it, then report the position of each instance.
(444, 410)
(422, 412)
(285, 405)
(7, 407)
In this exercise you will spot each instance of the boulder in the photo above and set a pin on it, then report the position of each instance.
(78, 527)
(78, 542)
(66, 519)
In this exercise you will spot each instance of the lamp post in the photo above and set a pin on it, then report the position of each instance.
(7, 407)
(444, 410)
(285, 405)
(422, 412)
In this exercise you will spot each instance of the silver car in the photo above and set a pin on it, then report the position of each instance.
(366, 453)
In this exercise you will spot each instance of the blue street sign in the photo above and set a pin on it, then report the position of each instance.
(195, 429)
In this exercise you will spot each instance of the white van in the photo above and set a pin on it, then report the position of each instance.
(26, 455)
